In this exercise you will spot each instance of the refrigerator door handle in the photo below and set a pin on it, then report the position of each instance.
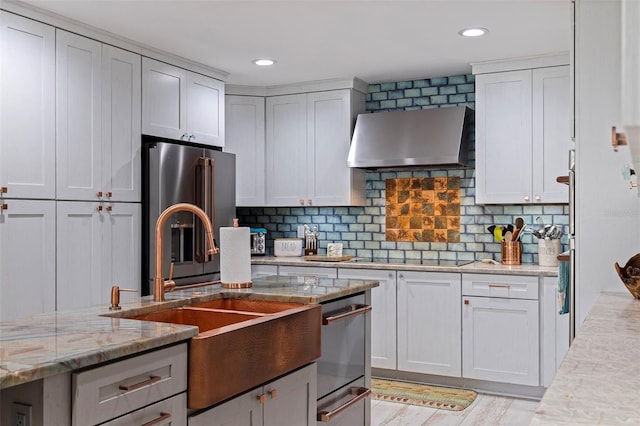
(572, 192)
(201, 188)
(209, 198)
(572, 290)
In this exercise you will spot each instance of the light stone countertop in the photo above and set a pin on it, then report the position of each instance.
(45, 345)
(412, 265)
(598, 381)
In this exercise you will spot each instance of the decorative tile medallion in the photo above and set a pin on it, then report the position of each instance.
(423, 209)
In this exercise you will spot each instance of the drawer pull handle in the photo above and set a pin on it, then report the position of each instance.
(149, 381)
(499, 286)
(359, 394)
(352, 311)
(163, 416)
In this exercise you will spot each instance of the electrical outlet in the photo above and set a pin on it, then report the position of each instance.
(21, 414)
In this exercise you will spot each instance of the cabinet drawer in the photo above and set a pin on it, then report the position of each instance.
(308, 271)
(172, 411)
(505, 286)
(106, 392)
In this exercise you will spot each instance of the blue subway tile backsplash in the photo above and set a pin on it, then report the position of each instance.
(362, 229)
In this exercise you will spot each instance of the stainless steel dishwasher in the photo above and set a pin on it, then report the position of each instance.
(343, 378)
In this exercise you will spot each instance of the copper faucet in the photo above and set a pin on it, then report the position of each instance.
(159, 284)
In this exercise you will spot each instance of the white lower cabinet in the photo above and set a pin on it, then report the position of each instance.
(429, 323)
(98, 246)
(383, 314)
(27, 258)
(288, 401)
(554, 332)
(500, 334)
(136, 388)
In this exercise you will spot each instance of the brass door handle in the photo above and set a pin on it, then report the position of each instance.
(353, 310)
(262, 398)
(273, 393)
(163, 416)
(149, 381)
(360, 394)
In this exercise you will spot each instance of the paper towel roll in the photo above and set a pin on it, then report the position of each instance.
(235, 257)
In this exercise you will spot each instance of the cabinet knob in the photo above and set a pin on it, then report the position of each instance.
(273, 393)
(99, 194)
(262, 398)
(4, 206)
(192, 137)
(537, 198)
(109, 194)
(526, 198)
(184, 136)
(310, 202)
(4, 189)
(99, 208)
(301, 202)
(466, 302)
(109, 208)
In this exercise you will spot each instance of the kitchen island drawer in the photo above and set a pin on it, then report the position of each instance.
(106, 392)
(171, 411)
(504, 286)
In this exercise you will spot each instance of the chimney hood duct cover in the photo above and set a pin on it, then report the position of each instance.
(425, 138)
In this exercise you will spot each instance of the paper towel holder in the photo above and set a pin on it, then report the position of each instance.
(236, 285)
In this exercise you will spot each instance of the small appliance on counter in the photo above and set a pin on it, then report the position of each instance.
(258, 241)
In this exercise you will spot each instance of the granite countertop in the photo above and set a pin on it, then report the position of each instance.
(598, 381)
(45, 345)
(413, 265)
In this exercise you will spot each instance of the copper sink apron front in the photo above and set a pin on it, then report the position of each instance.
(223, 363)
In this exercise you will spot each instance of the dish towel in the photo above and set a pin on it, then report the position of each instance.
(563, 288)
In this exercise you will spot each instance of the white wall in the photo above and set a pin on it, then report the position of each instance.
(608, 213)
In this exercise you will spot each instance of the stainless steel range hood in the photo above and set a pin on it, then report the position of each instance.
(428, 138)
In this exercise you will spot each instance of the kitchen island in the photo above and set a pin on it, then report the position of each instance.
(598, 380)
(55, 344)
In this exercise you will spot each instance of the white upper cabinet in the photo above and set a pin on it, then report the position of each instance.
(205, 109)
(244, 116)
(286, 150)
(121, 125)
(522, 135)
(330, 118)
(551, 133)
(27, 108)
(98, 121)
(27, 258)
(78, 116)
(307, 143)
(180, 104)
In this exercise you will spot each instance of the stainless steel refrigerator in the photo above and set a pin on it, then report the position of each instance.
(173, 173)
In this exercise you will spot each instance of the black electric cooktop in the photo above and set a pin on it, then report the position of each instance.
(425, 262)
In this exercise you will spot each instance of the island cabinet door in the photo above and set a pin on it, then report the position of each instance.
(429, 323)
(244, 410)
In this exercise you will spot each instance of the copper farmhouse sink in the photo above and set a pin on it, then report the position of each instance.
(243, 343)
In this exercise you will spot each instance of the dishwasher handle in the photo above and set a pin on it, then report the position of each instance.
(359, 394)
(352, 310)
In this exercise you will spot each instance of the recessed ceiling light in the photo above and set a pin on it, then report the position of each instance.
(473, 32)
(264, 62)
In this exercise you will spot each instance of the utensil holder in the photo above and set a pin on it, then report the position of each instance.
(511, 252)
(548, 251)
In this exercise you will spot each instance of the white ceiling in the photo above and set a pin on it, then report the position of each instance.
(377, 41)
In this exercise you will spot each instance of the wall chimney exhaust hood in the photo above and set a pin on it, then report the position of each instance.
(420, 139)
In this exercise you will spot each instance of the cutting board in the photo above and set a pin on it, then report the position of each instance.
(329, 258)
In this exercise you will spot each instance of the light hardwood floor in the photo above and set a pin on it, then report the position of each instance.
(485, 410)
